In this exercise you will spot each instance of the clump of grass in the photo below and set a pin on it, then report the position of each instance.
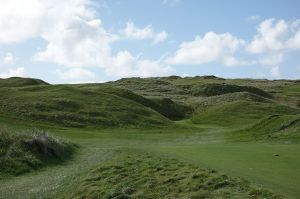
(220, 89)
(145, 176)
(21, 152)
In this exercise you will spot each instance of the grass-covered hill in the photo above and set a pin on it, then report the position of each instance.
(237, 103)
(70, 106)
(274, 126)
(150, 102)
(20, 82)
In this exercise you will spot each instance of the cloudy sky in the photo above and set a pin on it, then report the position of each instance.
(74, 41)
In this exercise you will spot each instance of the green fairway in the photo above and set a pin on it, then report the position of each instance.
(253, 161)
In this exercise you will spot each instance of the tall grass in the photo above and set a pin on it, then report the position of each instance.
(22, 152)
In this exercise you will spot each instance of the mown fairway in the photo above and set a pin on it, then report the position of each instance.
(253, 161)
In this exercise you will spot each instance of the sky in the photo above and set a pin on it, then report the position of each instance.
(83, 41)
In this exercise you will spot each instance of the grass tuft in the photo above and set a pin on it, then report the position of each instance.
(21, 152)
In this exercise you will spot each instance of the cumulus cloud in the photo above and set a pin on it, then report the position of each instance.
(20, 20)
(275, 35)
(75, 36)
(211, 47)
(133, 32)
(274, 39)
(75, 73)
(6, 67)
(126, 65)
(79, 43)
(17, 72)
(271, 59)
(275, 72)
(160, 37)
(8, 59)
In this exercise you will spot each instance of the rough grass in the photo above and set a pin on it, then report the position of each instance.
(181, 89)
(201, 104)
(21, 152)
(240, 113)
(220, 89)
(20, 82)
(271, 127)
(74, 107)
(138, 175)
(165, 106)
(144, 103)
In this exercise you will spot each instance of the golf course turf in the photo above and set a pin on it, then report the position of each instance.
(124, 141)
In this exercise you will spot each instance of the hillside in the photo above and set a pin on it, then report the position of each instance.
(69, 106)
(21, 82)
(271, 127)
(150, 101)
(231, 103)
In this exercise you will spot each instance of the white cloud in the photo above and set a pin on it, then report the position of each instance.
(275, 36)
(212, 47)
(80, 43)
(133, 32)
(75, 73)
(294, 42)
(253, 18)
(232, 61)
(18, 72)
(160, 37)
(8, 59)
(74, 34)
(20, 20)
(126, 65)
(185, 75)
(148, 68)
(271, 59)
(275, 72)
(75, 37)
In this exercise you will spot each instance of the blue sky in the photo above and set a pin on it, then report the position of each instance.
(76, 41)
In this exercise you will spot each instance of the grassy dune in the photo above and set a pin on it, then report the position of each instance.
(69, 106)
